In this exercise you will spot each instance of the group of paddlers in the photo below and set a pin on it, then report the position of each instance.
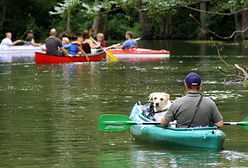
(76, 45)
(71, 46)
(82, 45)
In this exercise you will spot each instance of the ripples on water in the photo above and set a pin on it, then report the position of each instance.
(49, 113)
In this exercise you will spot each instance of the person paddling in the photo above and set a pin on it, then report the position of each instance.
(129, 43)
(7, 40)
(30, 39)
(53, 44)
(100, 39)
(87, 43)
(76, 48)
(193, 109)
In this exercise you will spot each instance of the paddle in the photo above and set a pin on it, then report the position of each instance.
(120, 43)
(117, 123)
(111, 56)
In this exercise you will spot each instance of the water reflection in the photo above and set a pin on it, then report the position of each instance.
(49, 112)
(10, 59)
(142, 156)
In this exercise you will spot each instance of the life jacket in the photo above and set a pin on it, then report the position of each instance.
(73, 50)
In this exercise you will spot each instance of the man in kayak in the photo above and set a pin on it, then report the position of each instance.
(7, 40)
(129, 43)
(30, 39)
(54, 45)
(193, 109)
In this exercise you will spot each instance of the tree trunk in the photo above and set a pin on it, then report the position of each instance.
(100, 25)
(165, 26)
(244, 16)
(68, 21)
(203, 18)
(241, 23)
(96, 25)
(105, 26)
(146, 25)
(238, 26)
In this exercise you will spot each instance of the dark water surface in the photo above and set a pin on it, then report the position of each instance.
(48, 113)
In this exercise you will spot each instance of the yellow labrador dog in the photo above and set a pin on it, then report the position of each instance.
(161, 102)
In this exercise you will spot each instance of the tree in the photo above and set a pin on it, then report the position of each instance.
(203, 19)
(65, 9)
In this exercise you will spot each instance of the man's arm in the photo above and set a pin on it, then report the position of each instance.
(64, 51)
(169, 115)
(216, 116)
(118, 46)
(34, 43)
(84, 54)
(15, 42)
(124, 45)
(219, 124)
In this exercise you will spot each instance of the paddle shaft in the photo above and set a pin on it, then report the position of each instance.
(235, 123)
(130, 123)
(117, 123)
(96, 42)
(157, 123)
(120, 43)
(111, 56)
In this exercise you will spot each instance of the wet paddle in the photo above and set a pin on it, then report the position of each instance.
(111, 56)
(117, 123)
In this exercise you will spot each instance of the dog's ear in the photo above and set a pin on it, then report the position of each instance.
(151, 96)
(167, 96)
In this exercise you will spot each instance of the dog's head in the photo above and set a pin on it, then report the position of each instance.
(159, 99)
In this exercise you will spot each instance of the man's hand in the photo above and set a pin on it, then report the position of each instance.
(164, 122)
(219, 124)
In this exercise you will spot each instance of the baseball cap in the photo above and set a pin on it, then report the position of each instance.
(192, 79)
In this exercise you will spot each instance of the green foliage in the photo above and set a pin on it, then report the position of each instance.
(28, 14)
(226, 22)
(123, 15)
(185, 27)
(120, 23)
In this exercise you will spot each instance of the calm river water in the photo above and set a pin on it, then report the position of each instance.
(48, 113)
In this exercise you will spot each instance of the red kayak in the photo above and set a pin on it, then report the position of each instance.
(140, 54)
(42, 58)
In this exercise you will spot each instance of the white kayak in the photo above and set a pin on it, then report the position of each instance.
(12, 53)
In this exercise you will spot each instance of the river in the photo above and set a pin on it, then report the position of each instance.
(48, 113)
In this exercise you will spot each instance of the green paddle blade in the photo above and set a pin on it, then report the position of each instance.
(114, 123)
(245, 126)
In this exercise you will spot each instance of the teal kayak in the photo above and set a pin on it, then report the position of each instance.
(203, 138)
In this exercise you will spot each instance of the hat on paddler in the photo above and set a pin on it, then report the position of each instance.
(192, 79)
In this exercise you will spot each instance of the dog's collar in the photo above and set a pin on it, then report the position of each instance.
(160, 111)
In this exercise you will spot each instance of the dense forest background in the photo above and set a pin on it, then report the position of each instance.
(151, 19)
